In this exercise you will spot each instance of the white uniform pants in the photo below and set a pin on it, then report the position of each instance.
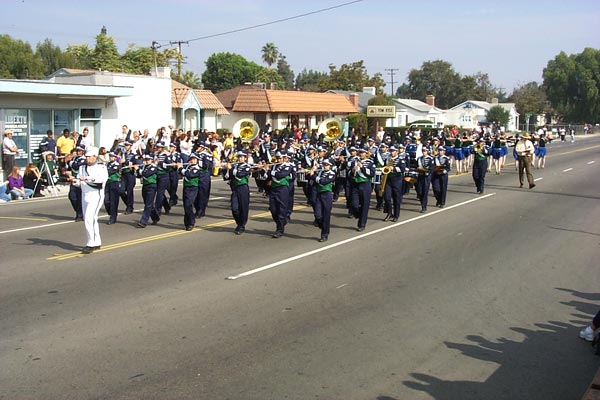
(92, 201)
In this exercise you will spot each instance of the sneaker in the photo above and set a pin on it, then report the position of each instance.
(587, 334)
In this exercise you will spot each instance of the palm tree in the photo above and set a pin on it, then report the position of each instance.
(192, 80)
(270, 54)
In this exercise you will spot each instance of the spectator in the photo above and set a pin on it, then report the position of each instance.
(65, 143)
(48, 144)
(588, 332)
(16, 187)
(85, 140)
(9, 151)
(32, 179)
(4, 197)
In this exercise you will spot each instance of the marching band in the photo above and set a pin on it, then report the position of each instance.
(326, 170)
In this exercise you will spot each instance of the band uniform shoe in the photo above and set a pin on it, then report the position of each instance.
(323, 239)
(423, 210)
(96, 247)
(127, 212)
(189, 228)
(587, 334)
(277, 235)
(87, 250)
(395, 219)
(155, 222)
(532, 186)
(387, 217)
(110, 222)
(360, 228)
(140, 225)
(78, 219)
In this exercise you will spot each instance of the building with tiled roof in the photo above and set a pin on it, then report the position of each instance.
(194, 109)
(280, 108)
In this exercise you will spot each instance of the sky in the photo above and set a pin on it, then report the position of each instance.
(512, 41)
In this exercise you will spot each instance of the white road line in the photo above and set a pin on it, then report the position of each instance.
(591, 162)
(70, 222)
(537, 179)
(341, 286)
(352, 239)
(568, 169)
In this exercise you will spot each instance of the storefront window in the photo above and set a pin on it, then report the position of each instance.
(41, 121)
(62, 120)
(17, 121)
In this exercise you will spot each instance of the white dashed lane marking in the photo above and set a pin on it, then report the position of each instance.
(568, 169)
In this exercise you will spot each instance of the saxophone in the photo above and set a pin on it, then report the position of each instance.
(389, 167)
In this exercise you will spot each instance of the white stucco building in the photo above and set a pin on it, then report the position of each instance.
(470, 113)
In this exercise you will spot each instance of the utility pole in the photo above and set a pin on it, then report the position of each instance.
(180, 58)
(155, 46)
(391, 72)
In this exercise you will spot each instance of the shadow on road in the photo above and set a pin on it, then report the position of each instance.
(53, 243)
(550, 363)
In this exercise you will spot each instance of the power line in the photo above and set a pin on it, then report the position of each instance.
(275, 22)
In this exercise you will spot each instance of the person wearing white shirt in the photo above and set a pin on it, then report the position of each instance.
(86, 140)
(525, 150)
(91, 179)
(9, 151)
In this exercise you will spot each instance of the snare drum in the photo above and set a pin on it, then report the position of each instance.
(377, 178)
(301, 176)
(411, 176)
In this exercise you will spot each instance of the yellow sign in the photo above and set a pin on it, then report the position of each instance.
(381, 111)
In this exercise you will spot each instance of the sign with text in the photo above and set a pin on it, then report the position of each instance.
(381, 111)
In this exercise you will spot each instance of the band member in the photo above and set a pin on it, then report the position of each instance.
(206, 162)
(128, 160)
(307, 163)
(281, 175)
(394, 185)
(351, 160)
(363, 172)
(113, 187)
(525, 149)
(91, 178)
(238, 174)
(380, 159)
(190, 174)
(77, 161)
(148, 175)
(459, 155)
(340, 165)
(324, 181)
(162, 184)
(424, 168)
(480, 164)
(174, 159)
(439, 179)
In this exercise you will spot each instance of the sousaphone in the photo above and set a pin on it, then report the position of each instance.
(331, 129)
(246, 129)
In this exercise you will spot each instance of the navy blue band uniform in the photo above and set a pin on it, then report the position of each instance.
(148, 174)
(281, 176)
(424, 169)
(190, 175)
(324, 183)
(238, 176)
(439, 179)
(363, 173)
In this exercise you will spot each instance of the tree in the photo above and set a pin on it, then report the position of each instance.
(351, 77)
(572, 84)
(270, 53)
(308, 81)
(477, 87)
(286, 73)
(228, 70)
(105, 55)
(439, 79)
(529, 98)
(189, 79)
(82, 55)
(137, 60)
(498, 115)
(269, 76)
(17, 60)
(53, 58)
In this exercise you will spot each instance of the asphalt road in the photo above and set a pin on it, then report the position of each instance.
(481, 299)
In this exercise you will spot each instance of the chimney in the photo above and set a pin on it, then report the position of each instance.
(495, 100)
(160, 72)
(354, 99)
(430, 99)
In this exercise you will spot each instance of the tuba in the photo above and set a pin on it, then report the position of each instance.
(246, 129)
(331, 129)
